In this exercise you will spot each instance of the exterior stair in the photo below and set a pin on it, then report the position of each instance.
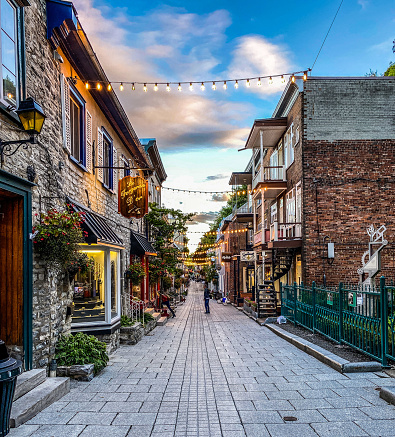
(33, 393)
(162, 321)
(156, 316)
(282, 263)
(267, 305)
(149, 311)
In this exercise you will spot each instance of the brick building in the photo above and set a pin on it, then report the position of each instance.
(87, 144)
(323, 171)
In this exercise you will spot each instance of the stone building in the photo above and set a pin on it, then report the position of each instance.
(86, 145)
(323, 171)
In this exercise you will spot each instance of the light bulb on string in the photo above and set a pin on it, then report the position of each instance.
(145, 87)
(179, 87)
(225, 86)
(87, 85)
(305, 76)
(259, 82)
(156, 87)
(109, 87)
(214, 87)
(168, 88)
(190, 86)
(98, 86)
(202, 87)
(293, 78)
(133, 87)
(270, 80)
(248, 83)
(282, 79)
(236, 84)
(121, 87)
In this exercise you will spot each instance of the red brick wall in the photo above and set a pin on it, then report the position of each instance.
(348, 185)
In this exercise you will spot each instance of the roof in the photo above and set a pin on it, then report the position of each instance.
(97, 227)
(139, 245)
(151, 148)
(240, 178)
(272, 130)
(64, 30)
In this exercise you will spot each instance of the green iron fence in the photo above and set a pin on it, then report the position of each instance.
(359, 317)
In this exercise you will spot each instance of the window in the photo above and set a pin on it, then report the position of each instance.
(107, 161)
(9, 59)
(281, 210)
(290, 211)
(289, 145)
(273, 213)
(298, 202)
(76, 126)
(97, 288)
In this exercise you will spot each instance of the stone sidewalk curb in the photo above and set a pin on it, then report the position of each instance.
(328, 358)
(388, 394)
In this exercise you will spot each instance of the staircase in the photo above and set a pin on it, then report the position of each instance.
(282, 262)
(33, 393)
(267, 300)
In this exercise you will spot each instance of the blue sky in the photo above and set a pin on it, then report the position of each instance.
(198, 133)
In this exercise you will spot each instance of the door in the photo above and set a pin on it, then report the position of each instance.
(11, 268)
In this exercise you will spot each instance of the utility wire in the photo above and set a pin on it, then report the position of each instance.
(330, 27)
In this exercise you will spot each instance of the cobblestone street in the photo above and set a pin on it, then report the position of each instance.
(217, 374)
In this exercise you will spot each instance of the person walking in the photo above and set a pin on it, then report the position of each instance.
(166, 301)
(207, 298)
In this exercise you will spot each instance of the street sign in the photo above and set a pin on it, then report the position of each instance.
(226, 257)
(248, 256)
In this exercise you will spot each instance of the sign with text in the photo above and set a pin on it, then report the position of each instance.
(226, 257)
(248, 256)
(133, 196)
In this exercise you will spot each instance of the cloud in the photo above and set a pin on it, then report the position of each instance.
(220, 198)
(363, 3)
(216, 177)
(255, 55)
(204, 217)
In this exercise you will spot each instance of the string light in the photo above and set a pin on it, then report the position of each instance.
(214, 87)
(109, 87)
(248, 83)
(87, 85)
(202, 87)
(236, 84)
(156, 87)
(133, 87)
(270, 80)
(282, 79)
(121, 87)
(190, 86)
(305, 76)
(168, 88)
(98, 86)
(145, 88)
(225, 86)
(259, 82)
(179, 87)
(293, 78)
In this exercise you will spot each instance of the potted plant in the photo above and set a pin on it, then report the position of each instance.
(136, 272)
(80, 263)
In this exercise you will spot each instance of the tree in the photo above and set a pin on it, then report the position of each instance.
(390, 70)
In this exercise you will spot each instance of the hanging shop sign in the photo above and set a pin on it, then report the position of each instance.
(226, 257)
(248, 256)
(133, 197)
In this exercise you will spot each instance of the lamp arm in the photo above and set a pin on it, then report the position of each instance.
(7, 149)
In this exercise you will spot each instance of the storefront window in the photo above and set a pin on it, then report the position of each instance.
(96, 289)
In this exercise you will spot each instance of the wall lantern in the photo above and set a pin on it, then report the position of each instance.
(32, 118)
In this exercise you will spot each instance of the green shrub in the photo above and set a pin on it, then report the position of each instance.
(127, 321)
(81, 349)
(146, 318)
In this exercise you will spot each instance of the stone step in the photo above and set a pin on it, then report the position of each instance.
(162, 321)
(37, 399)
(28, 381)
(156, 316)
(149, 310)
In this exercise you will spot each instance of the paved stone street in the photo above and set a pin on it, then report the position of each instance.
(217, 374)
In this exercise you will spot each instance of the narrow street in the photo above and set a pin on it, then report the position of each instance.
(217, 374)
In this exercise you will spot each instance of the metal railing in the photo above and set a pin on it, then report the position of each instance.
(132, 307)
(267, 174)
(361, 317)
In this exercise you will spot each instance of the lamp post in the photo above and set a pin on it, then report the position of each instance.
(32, 118)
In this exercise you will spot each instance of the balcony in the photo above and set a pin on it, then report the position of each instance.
(243, 214)
(261, 238)
(283, 235)
(270, 179)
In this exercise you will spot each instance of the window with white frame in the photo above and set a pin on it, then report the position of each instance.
(289, 145)
(107, 160)
(273, 162)
(273, 213)
(281, 210)
(298, 202)
(290, 206)
(9, 52)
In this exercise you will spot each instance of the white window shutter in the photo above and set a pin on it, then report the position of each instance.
(65, 90)
(100, 155)
(121, 164)
(114, 170)
(88, 141)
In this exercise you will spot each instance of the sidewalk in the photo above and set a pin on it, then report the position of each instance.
(217, 374)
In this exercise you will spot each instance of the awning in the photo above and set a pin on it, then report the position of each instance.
(97, 227)
(139, 245)
(240, 178)
(272, 129)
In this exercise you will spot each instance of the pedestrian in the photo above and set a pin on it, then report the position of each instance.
(166, 301)
(207, 298)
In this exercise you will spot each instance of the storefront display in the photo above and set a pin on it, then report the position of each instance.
(96, 287)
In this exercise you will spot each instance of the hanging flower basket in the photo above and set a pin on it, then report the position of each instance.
(57, 237)
(135, 272)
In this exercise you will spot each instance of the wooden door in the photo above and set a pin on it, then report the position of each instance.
(11, 268)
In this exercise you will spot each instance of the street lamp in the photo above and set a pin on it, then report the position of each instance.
(32, 118)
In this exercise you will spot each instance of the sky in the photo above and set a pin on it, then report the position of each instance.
(199, 132)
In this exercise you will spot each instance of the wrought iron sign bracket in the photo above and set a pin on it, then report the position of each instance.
(9, 148)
